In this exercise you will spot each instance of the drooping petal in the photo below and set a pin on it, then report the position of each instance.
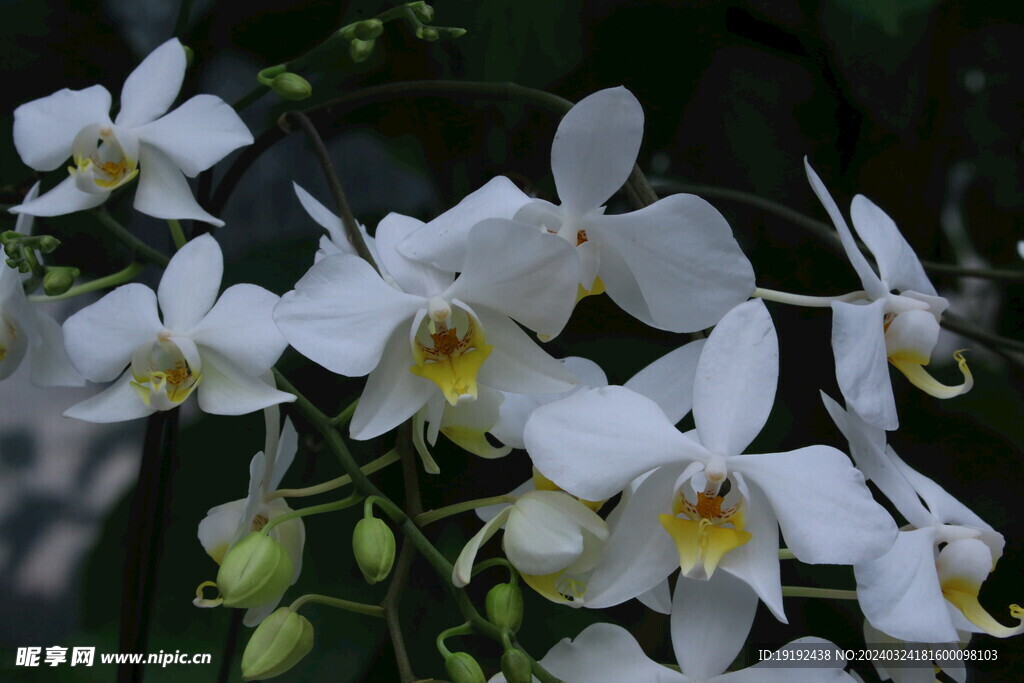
(756, 562)
(64, 198)
(227, 390)
(593, 443)
(862, 370)
(737, 374)
(163, 191)
(463, 570)
(544, 533)
(198, 134)
(825, 510)
(683, 257)
(466, 424)
(153, 86)
(190, 284)
(101, 338)
(414, 277)
(116, 403)
(341, 314)
(442, 241)
(872, 285)
(962, 566)
(50, 365)
(658, 598)
(595, 147)
(392, 393)
(241, 327)
(771, 671)
(897, 263)
(605, 653)
(527, 274)
(899, 592)
(45, 128)
(710, 623)
(288, 446)
(516, 363)
(668, 381)
(218, 528)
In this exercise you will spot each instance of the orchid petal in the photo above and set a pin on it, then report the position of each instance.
(392, 393)
(153, 86)
(963, 565)
(604, 653)
(756, 562)
(65, 197)
(44, 129)
(463, 570)
(516, 363)
(769, 671)
(225, 389)
(414, 277)
(668, 381)
(190, 284)
(116, 403)
(287, 447)
(897, 263)
(544, 532)
(163, 191)
(49, 362)
(658, 598)
(218, 528)
(710, 623)
(465, 424)
(946, 508)
(862, 370)
(911, 336)
(240, 326)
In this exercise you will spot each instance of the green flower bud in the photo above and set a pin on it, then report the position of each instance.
(58, 279)
(515, 666)
(422, 10)
(9, 236)
(291, 86)
(19, 264)
(373, 543)
(360, 50)
(427, 33)
(256, 570)
(462, 668)
(453, 32)
(48, 244)
(13, 249)
(504, 605)
(278, 643)
(368, 29)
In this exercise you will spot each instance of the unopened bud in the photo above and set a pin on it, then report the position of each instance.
(427, 33)
(256, 570)
(452, 32)
(9, 236)
(291, 86)
(462, 668)
(58, 279)
(368, 29)
(515, 666)
(278, 643)
(422, 10)
(19, 264)
(360, 50)
(504, 605)
(48, 244)
(373, 544)
(12, 249)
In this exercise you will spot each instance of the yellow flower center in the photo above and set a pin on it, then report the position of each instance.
(101, 164)
(706, 533)
(163, 377)
(449, 359)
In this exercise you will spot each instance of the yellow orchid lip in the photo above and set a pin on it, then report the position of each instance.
(963, 594)
(450, 360)
(558, 587)
(912, 367)
(706, 533)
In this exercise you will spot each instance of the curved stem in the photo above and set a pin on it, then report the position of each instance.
(803, 300)
(440, 513)
(120, 277)
(349, 605)
(369, 468)
(345, 416)
(312, 510)
(136, 246)
(808, 592)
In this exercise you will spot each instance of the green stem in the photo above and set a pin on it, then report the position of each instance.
(786, 554)
(808, 592)
(184, 11)
(177, 234)
(313, 510)
(250, 97)
(369, 468)
(136, 246)
(349, 605)
(513, 574)
(463, 630)
(343, 418)
(112, 280)
(440, 513)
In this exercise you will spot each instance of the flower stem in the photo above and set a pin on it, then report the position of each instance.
(349, 605)
(808, 301)
(176, 233)
(345, 415)
(112, 280)
(440, 513)
(369, 468)
(136, 246)
(809, 592)
(786, 554)
(313, 510)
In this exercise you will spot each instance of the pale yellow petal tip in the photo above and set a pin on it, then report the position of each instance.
(558, 588)
(921, 379)
(201, 601)
(965, 599)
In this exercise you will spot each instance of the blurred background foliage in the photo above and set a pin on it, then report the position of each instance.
(915, 103)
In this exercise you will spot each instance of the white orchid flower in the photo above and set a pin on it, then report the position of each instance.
(25, 331)
(335, 241)
(704, 505)
(144, 140)
(219, 348)
(226, 524)
(925, 588)
(710, 623)
(673, 265)
(884, 327)
(418, 330)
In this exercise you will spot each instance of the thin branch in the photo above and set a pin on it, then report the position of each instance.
(136, 246)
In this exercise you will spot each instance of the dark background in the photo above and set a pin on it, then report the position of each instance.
(917, 105)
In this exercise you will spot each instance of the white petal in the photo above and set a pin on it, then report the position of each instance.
(341, 313)
(756, 562)
(869, 280)
(442, 241)
(218, 528)
(466, 423)
(604, 653)
(241, 327)
(621, 284)
(593, 443)
(825, 510)
(638, 554)
(516, 269)
(227, 390)
(899, 592)
(912, 335)
(544, 532)
(862, 370)
(683, 257)
(190, 284)
(595, 147)
(945, 507)
(463, 570)
(414, 277)
(897, 262)
(734, 387)
(64, 198)
(488, 512)
(392, 393)
(658, 598)
(101, 338)
(516, 363)
(668, 381)
(116, 403)
(50, 365)
(45, 128)
(163, 191)
(710, 623)
(197, 134)
(152, 87)
(829, 671)
(287, 447)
